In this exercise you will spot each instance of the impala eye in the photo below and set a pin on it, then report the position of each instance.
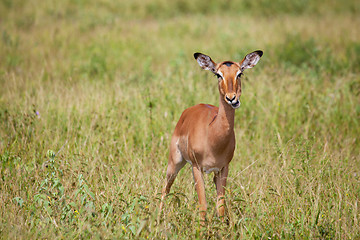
(239, 75)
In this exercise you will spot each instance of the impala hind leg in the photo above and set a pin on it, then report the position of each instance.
(220, 182)
(175, 164)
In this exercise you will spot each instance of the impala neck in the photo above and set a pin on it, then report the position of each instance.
(225, 118)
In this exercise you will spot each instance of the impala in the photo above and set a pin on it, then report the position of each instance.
(204, 135)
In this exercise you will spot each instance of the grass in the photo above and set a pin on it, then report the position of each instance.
(92, 90)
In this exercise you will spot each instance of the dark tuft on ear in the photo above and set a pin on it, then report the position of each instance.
(259, 52)
(196, 55)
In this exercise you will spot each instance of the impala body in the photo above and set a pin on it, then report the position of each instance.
(204, 135)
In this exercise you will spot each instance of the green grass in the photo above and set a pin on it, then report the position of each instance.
(92, 90)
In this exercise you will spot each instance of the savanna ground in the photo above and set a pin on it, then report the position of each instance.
(91, 92)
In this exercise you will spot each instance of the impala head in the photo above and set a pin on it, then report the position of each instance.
(229, 74)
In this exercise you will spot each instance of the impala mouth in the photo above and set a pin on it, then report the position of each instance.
(235, 104)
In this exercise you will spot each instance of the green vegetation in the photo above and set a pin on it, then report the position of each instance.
(91, 92)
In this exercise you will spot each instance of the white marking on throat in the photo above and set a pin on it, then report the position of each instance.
(210, 170)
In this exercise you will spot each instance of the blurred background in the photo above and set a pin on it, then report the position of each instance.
(92, 90)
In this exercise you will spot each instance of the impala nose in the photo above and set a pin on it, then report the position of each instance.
(231, 99)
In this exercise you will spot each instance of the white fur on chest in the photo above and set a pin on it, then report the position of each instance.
(206, 170)
(210, 170)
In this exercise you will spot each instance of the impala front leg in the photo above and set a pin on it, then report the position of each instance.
(200, 189)
(220, 182)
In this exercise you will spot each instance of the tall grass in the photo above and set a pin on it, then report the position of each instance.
(91, 92)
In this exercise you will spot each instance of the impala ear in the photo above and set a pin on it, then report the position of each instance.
(251, 60)
(205, 62)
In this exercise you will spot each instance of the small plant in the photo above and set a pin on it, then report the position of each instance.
(51, 193)
(86, 196)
